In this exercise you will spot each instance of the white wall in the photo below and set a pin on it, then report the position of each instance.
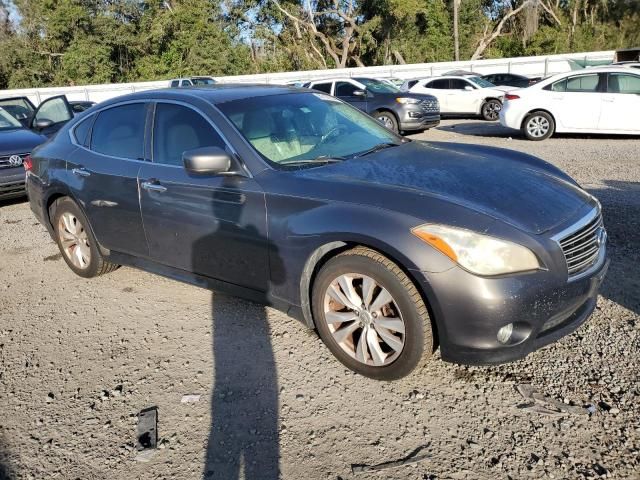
(532, 66)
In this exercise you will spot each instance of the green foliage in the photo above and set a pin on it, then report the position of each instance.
(67, 42)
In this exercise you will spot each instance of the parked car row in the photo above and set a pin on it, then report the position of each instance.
(398, 111)
(22, 128)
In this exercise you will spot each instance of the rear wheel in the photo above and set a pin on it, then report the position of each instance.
(491, 110)
(76, 241)
(370, 315)
(388, 120)
(538, 126)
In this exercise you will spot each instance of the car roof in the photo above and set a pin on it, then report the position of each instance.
(214, 94)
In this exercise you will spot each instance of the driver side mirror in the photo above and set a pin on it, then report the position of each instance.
(359, 93)
(468, 88)
(206, 161)
(42, 124)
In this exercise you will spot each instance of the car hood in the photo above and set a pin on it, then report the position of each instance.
(510, 186)
(19, 141)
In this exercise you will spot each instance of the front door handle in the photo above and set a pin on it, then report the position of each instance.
(153, 187)
(80, 172)
(608, 99)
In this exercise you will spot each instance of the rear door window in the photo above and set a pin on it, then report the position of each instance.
(81, 131)
(323, 87)
(441, 84)
(119, 131)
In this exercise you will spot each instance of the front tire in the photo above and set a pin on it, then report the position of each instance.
(388, 120)
(538, 126)
(491, 110)
(371, 316)
(76, 242)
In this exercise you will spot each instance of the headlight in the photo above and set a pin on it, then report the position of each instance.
(407, 101)
(478, 253)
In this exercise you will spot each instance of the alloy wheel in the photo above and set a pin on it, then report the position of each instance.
(74, 240)
(364, 319)
(492, 110)
(386, 121)
(538, 126)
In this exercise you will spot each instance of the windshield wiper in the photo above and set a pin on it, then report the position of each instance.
(320, 159)
(377, 148)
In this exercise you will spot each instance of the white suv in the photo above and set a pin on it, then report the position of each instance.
(461, 94)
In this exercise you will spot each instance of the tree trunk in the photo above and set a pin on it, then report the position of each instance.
(456, 36)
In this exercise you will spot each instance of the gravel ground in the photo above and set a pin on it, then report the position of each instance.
(79, 359)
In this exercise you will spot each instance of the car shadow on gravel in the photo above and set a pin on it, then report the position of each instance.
(621, 212)
(5, 470)
(244, 436)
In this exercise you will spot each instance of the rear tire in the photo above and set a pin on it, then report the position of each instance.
(385, 332)
(538, 126)
(388, 120)
(491, 110)
(76, 242)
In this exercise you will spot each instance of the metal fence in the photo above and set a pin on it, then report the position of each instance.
(530, 66)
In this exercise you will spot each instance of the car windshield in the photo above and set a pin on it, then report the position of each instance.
(377, 86)
(481, 82)
(203, 81)
(8, 122)
(301, 128)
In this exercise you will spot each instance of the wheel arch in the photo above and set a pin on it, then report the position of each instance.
(547, 111)
(51, 204)
(322, 254)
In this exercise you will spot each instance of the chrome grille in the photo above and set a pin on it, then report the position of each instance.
(581, 248)
(430, 106)
(6, 162)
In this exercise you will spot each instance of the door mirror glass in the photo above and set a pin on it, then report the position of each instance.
(206, 161)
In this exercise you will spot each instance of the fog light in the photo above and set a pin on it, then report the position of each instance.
(504, 334)
(415, 114)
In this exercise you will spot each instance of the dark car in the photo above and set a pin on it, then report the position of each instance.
(79, 106)
(398, 111)
(511, 80)
(16, 143)
(388, 247)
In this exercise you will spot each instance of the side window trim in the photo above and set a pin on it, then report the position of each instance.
(228, 147)
(87, 141)
(95, 116)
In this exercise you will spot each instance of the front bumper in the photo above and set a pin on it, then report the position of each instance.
(416, 117)
(12, 183)
(420, 123)
(470, 310)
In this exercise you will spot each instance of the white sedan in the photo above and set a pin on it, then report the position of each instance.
(595, 100)
(461, 94)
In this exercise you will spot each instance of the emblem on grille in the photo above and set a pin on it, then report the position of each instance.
(15, 160)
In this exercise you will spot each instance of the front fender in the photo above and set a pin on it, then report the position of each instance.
(300, 240)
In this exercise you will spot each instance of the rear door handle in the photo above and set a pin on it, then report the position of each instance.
(608, 99)
(80, 172)
(153, 186)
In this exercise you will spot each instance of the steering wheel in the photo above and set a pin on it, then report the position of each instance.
(334, 132)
